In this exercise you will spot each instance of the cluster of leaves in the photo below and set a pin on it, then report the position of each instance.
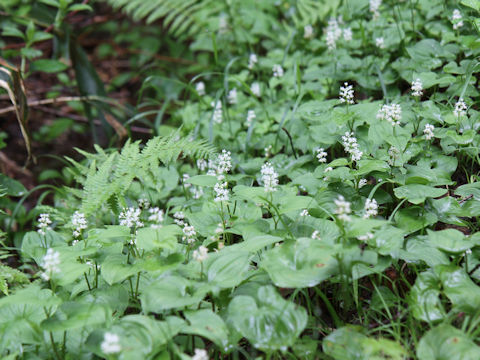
(170, 267)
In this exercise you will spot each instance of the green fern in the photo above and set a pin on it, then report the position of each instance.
(109, 176)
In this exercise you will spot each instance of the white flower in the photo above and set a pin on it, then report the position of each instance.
(221, 191)
(224, 162)
(362, 183)
(111, 343)
(143, 203)
(200, 87)
(365, 237)
(321, 155)
(219, 228)
(185, 184)
(374, 6)
(200, 254)
(223, 23)
(380, 42)
(334, 32)
(457, 19)
(252, 60)
(351, 146)
(269, 177)
(255, 87)
(267, 151)
(156, 217)
(343, 208)
(50, 263)
(189, 232)
(130, 217)
(316, 235)
(79, 223)
(460, 108)
(347, 34)
(428, 131)
(277, 71)
(346, 94)
(197, 192)
(308, 31)
(217, 111)
(43, 223)
(371, 208)
(232, 96)
(417, 88)
(328, 169)
(179, 217)
(393, 154)
(392, 113)
(201, 164)
(304, 212)
(200, 354)
(250, 116)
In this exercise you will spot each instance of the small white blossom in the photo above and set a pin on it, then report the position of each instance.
(351, 146)
(224, 162)
(304, 212)
(255, 87)
(197, 192)
(200, 87)
(308, 31)
(328, 169)
(428, 131)
(277, 71)
(380, 42)
(111, 343)
(269, 177)
(374, 6)
(143, 203)
(217, 111)
(201, 164)
(44, 223)
(347, 34)
(250, 117)
(200, 254)
(156, 217)
(393, 154)
(221, 192)
(316, 235)
(189, 233)
(179, 216)
(252, 60)
(346, 94)
(343, 208)
(392, 113)
(219, 228)
(200, 354)
(321, 155)
(457, 19)
(267, 151)
(130, 217)
(223, 23)
(334, 32)
(370, 209)
(232, 96)
(50, 263)
(460, 108)
(365, 237)
(417, 88)
(79, 223)
(185, 184)
(362, 183)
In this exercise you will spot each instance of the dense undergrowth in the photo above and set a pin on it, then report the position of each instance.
(310, 192)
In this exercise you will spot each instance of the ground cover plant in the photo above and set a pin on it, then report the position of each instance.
(305, 185)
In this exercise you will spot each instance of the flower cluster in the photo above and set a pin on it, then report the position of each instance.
(221, 191)
(393, 154)
(347, 34)
(50, 263)
(380, 42)
(304, 212)
(202, 164)
(417, 88)
(130, 217)
(460, 108)
(362, 183)
(250, 117)
(252, 60)
(370, 209)
(316, 235)
(392, 113)
(200, 87)
(374, 6)
(200, 354)
(232, 96)
(189, 233)
(346, 94)
(44, 224)
(321, 155)
(255, 89)
(217, 111)
(200, 254)
(334, 32)
(79, 223)
(308, 31)
(269, 177)
(143, 203)
(277, 71)
(268, 151)
(457, 19)
(111, 343)
(343, 208)
(351, 146)
(224, 162)
(428, 131)
(156, 217)
(179, 216)
(366, 237)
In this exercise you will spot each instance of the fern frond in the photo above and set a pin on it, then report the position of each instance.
(98, 187)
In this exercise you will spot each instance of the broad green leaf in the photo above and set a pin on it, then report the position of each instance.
(207, 324)
(459, 288)
(227, 269)
(115, 269)
(451, 241)
(417, 193)
(424, 298)
(75, 314)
